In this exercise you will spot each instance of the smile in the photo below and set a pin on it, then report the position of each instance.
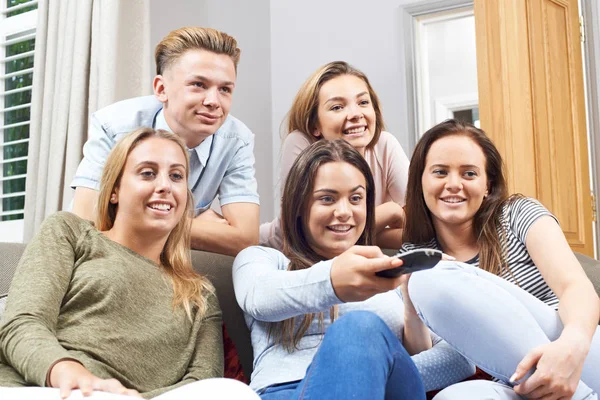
(354, 131)
(453, 200)
(340, 228)
(160, 206)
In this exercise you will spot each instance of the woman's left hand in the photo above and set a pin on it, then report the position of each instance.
(558, 367)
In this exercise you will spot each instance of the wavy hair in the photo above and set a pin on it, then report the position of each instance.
(487, 226)
(295, 201)
(189, 288)
(303, 115)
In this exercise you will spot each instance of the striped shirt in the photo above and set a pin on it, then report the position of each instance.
(517, 217)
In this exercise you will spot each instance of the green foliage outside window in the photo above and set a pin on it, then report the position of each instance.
(14, 151)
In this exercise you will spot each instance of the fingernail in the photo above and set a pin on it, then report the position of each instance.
(512, 378)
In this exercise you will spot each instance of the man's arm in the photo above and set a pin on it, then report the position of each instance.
(84, 203)
(238, 230)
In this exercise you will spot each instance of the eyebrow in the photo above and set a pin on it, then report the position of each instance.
(335, 191)
(340, 98)
(205, 79)
(462, 166)
(155, 164)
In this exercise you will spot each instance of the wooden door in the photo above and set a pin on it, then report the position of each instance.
(531, 102)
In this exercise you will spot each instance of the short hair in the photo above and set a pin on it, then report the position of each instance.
(303, 115)
(179, 41)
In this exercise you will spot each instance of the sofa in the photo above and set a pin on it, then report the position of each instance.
(218, 269)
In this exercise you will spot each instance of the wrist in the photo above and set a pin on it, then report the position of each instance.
(576, 338)
(54, 371)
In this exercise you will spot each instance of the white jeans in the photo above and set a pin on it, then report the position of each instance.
(492, 323)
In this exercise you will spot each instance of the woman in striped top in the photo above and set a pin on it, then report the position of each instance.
(518, 304)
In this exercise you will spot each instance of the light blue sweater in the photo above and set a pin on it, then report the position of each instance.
(268, 293)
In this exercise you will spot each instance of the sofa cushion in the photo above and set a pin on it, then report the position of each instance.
(217, 268)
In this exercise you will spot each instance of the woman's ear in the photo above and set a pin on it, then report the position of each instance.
(316, 133)
(114, 198)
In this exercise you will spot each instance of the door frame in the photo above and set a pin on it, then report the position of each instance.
(410, 13)
(591, 60)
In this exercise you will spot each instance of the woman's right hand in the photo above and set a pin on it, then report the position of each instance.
(353, 273)
(68, 375)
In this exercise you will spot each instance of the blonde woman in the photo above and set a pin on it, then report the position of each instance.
(116, 307)
(338, 102)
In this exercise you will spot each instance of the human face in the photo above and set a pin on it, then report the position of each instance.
(197, 91)
(337, 209)
(346, 111)
(454, 181)
(152, 192)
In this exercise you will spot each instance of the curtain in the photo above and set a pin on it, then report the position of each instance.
(89, 53)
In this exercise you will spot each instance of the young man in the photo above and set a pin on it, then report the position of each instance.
(196, 71)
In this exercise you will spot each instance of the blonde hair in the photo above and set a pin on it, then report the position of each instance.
(189, 287)
(303, 115)
(177, 42)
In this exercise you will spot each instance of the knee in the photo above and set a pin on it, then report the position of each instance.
(438, 287)
(359, 323)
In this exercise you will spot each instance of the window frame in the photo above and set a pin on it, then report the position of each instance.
(24, 23)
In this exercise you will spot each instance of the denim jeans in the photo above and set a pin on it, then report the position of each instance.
(491, 321)
(359, 358)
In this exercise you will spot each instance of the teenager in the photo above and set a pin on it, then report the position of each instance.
(322, 323)
(519, 305)
(116, 307)
(193, 89)
(338, 102)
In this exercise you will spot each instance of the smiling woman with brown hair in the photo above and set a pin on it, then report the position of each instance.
(519, 304)
(338, 102)
(323, 324)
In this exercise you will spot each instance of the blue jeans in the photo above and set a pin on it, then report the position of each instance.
(491, 321)
(359, 358)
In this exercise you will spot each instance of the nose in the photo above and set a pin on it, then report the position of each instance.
(211, 98)
(454, 183)
(163, 183)
(342, 211)
(354, 112)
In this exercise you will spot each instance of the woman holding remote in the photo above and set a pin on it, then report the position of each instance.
(117, 307)
(322, 323)
(338, 102)
(520, 306)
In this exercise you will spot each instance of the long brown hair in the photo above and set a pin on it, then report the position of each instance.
(303, 115)
(297, 192)
(189, 287)
(487, 226)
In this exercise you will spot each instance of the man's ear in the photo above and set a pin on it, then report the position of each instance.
(159, 88)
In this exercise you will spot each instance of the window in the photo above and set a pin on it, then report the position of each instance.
(17, 43)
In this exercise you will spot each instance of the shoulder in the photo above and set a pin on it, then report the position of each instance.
(266, 256)
(235, 129)
(387, 142)
(67, 223)
(519, 207)
(127, 115)
(296, 140)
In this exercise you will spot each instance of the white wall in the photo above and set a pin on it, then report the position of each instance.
(282, 43)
